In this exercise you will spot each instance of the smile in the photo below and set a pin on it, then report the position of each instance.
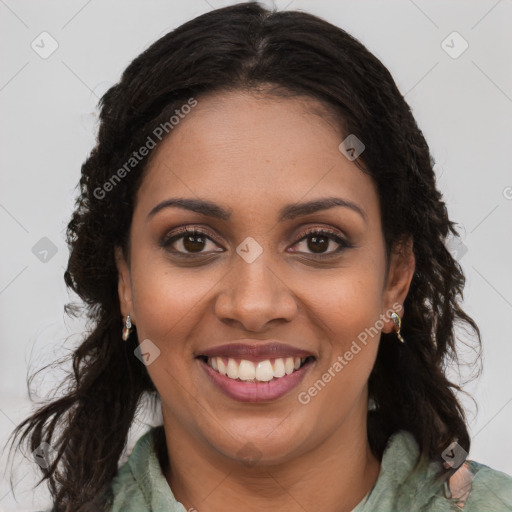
(255, 371)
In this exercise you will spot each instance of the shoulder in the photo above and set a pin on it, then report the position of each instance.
(140, 483)
(408, 481)
(479, 487)
(127, 487)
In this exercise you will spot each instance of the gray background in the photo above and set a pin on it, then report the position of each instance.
(463, 105)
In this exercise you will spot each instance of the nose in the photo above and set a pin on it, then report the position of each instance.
(253, 296)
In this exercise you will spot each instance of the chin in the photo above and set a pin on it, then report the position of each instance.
(263, 446)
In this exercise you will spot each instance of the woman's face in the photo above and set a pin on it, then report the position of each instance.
(257, 286)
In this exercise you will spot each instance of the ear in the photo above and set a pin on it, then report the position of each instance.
(124, 285)
(400, 272)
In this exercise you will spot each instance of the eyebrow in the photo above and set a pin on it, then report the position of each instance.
(289, 212)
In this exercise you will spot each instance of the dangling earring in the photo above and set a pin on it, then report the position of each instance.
(398, 324)
(127, 328)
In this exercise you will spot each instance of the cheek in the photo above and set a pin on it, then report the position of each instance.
(169, 307)
(167, 301)
(349, 307)
(352, 326)
(350, 303)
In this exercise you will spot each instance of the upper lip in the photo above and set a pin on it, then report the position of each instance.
(256, 350)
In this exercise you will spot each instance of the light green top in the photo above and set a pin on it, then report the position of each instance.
(140, 484)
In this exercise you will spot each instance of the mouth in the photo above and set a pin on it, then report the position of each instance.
(244, 370)
(255, 372)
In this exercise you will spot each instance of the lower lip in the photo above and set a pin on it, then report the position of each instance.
(256, 391)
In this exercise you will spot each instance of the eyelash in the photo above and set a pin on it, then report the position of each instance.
(186, 231)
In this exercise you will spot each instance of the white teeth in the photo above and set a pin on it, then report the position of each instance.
(220, 364)
(232, 369)
(246, 370)
(279, 368)
(262, 371)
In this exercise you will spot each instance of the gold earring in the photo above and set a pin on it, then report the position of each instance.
(398, 324)
(127, 328)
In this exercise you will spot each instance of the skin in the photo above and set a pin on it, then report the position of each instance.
(254, 154)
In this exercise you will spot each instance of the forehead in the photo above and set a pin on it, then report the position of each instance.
(252, 152)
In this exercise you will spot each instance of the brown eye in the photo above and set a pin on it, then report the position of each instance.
(189, 242)
(319, 241)
(194, 243)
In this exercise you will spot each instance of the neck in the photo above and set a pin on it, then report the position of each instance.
(342, 467)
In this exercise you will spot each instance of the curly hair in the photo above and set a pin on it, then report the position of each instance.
(290, 53)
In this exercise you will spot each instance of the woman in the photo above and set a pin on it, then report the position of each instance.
(260, 244)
